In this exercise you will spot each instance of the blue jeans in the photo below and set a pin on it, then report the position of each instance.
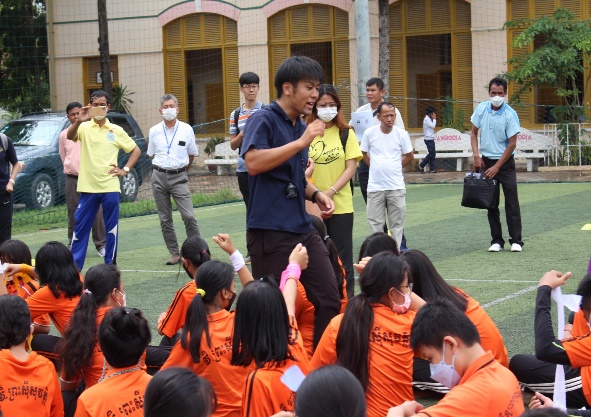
(430, 158)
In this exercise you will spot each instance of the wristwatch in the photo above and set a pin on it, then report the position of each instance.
(126, 168)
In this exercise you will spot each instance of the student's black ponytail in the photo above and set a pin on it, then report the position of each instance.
(211, 278)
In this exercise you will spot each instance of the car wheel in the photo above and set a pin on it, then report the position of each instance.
(42, 192)
(129, 186)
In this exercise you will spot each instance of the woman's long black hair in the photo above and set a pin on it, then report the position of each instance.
(55, 268)
(383, 272)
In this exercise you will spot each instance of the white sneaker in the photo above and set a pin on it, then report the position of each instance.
(495, 248)
(516, 247)
(101, 252)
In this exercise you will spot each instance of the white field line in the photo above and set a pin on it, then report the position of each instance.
(509, 297)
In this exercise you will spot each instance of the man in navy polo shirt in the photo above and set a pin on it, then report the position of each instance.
(499, 125)
(275, 149)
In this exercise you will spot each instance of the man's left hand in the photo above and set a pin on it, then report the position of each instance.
(116, 171)
(325, 204)
(9, 187)
(491, 172)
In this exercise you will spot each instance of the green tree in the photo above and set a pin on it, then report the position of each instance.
(24, 71)
(559, 61)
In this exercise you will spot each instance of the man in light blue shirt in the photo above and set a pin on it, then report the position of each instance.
(498, 125)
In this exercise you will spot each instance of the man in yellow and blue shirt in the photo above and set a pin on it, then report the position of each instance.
(98, 182)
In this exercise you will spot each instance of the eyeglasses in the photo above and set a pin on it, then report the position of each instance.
(250, 86)
(408, 287)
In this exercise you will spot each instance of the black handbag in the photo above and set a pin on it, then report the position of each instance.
(480, 192)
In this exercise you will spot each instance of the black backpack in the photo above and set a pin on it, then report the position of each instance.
(237, 116)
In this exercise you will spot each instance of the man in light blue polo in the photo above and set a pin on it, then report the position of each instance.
(499, 125)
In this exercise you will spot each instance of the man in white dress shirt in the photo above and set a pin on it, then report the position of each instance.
(172, 145)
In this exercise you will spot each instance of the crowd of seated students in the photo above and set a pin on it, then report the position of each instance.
(407, 326)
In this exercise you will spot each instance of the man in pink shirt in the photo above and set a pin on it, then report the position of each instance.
(70, 154)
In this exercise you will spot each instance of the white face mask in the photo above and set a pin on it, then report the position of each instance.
(99, 117)
(445, 374)
(401, 308)
(169, 114)
(497, 101)
(326, 114)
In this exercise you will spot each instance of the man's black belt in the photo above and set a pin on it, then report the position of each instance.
(169, 171)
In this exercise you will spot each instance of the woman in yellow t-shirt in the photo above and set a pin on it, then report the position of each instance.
(335, 156)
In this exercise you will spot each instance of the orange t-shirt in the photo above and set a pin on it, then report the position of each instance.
(390, 360)
(487, 389)
(60, 309)
(490, 337)
(176, 314)
(24, 286)
(578, 350)
(227, 380)
(263, 388)
(119, 395)
(29, 388)
(304, 313)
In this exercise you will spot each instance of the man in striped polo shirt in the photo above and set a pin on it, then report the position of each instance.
(249, 87)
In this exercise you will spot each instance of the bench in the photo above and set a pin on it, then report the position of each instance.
(449, 143)
(533, 147)
(228, 158)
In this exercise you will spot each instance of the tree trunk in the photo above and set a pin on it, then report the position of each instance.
(103, 41)
(384, 50)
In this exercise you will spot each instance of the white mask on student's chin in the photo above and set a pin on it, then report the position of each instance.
(169, 114)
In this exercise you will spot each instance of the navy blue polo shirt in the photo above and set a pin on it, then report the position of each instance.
(268, 206)
(6, 156)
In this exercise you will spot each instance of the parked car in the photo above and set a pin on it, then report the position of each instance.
(43, 183)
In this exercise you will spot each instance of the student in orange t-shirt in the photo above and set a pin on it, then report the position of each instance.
(330, 391)
(123, 337)
(61, 286)
(25, 283)
(205, 345)
(479, 385)
(178, 392)
(429, 285)
(194, 253)
(372, 338)
(266, 335)
(28, 382)
(79, 351)
(304, 308)
(574, 352)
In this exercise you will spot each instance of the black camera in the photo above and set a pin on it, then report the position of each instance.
(291, 191)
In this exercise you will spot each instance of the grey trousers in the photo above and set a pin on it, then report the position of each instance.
(395, 202)
(99, 234)
(165, 186)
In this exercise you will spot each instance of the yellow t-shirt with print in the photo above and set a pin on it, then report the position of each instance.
(99, 148)
(329, 164)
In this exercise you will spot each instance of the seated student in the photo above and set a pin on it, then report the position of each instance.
(372, 338)
(24, 283)
(194, 253)
(28, 382)
(429, 285)
(178, 392)
(60, 281)
(123, 337)
(304, 308)
(266, 336)
(80, 354)
(205, 345)
(538, 372)
(444, 336)
(331, 391)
